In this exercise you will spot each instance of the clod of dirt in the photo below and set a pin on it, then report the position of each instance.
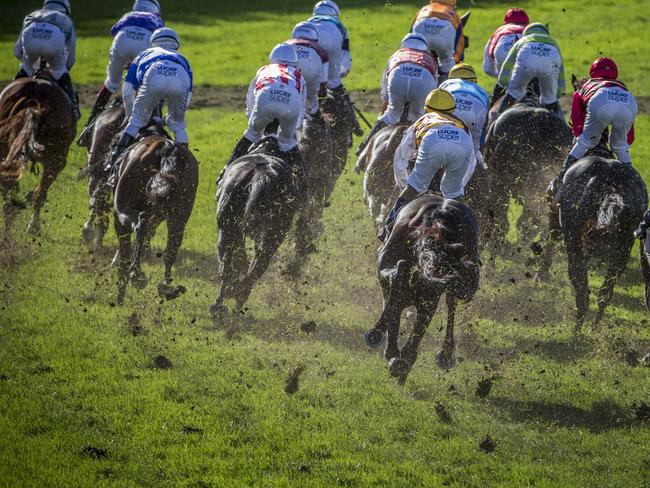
(487, 445)
(642, 411)
(484, 387)
(631, 357)
(161, 362)
(94, 452)
(188, 429)
(291, 384)
(308, 327)
(442, 413)
(133, 319)
(169, 292)
(646, 360)
(537, 248)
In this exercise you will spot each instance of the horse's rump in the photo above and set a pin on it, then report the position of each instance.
(18, 132)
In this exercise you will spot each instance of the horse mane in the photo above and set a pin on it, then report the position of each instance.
(19, 130)
(266, 145)
(531, 97)
(172, 164)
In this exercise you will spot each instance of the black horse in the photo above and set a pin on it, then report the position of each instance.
(601, 200)
(257, 198)
(433, 250)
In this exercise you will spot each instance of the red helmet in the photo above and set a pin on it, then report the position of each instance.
(604, 68)
(516, 16)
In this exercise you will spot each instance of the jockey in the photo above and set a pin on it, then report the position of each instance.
(471, 103)
(409, 77)
(131, 35)
(276, 93)
(440, 24)
(535, 55)
(441, 140)
(602, 101)
(157, 74)
(49, 33)
(313, 63)
(333, 38)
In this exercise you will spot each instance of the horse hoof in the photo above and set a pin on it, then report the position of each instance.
(398, 367)
(374, 338)
(445, 362)
(138, 280)
(218, 310)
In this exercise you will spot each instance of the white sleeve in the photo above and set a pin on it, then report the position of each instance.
(489, 65)
(470, 169)
(346, 63)
(18, 47)
(326, 72)
(72, 49)
(384, 83)
(250, 97)
(403, 153)
(128, 94)
(189, 99)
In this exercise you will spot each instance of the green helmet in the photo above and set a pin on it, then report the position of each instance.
(536, 28)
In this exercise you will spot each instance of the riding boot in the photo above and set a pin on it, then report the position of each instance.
(21, 74)
(379, 125)
(241, 148)
(557, 181)
(125, 141)
(508, 101)
(100, 104)
(388, 226)
(65, 82)
(555, 108)
(496, 93)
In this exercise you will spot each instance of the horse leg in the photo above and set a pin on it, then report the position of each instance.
(578, 276)
(10, 211)
(51, 169)
(606, 291)
(124, 254)
(231, 253)
(446, 357)
(425, 311)
(137, 277)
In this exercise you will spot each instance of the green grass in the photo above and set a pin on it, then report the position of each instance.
(82, 405)
(227, 41)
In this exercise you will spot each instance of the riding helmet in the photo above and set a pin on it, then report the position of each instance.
(151, 6)
(62, 6)
(463, 71)
(536, 28)
(413, 40)
(326, 7)
(604, 67)
(284, 54)
(440, 100)
(305, 30)
(165, 38)
(516, 16)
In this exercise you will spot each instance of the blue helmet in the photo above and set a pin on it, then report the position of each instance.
(151, 6)
(165, 38)
(284, 54)
(414, 40)
(305, 30)
(327, 7)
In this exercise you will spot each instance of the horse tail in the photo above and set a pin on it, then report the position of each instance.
(166, 179)
(611, 212)
(21, 126)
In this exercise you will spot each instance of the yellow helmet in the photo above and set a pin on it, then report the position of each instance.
(463, 71)
(440, 100)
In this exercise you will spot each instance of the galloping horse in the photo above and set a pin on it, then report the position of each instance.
(158, 182)
(524, 149)
(37, 124)
(433, 250)
(338, 112)
(105, 129)
(601, 200)
(257, 198)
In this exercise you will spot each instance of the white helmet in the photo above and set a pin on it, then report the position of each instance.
(284, 54)
(305, 30)
(327, 7)
(62, 6)
(414, 40)
(151, 6)
(165, 38)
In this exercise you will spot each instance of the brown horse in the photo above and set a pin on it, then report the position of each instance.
(158, 182)
(432, 251)
(338, 112)
(37, 124)
(376, 160)
(105, 129)
(257, 198)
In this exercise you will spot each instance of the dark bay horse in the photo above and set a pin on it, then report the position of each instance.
(432, 251)
(338, 112)
(376, 161)
(524, 149)
(257, 198)
(644, 261)
(158, 182)
(105, 130)
(601, 200)
(37, 125)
